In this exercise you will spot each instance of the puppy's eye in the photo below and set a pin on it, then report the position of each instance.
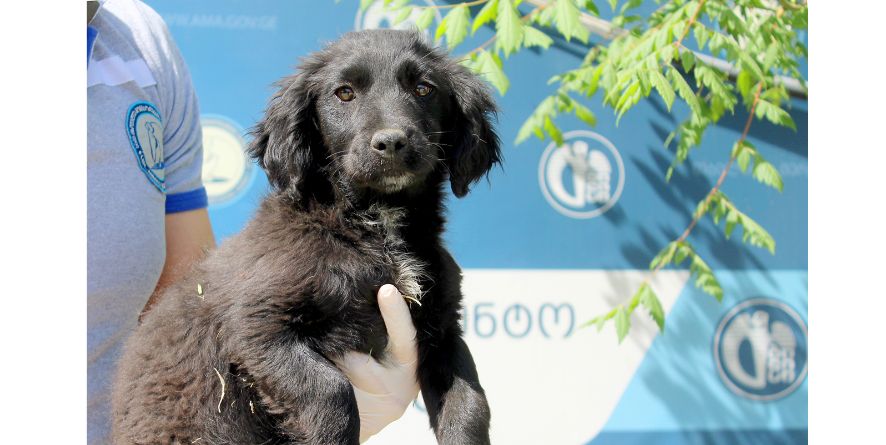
(423, 89)
(346, 94)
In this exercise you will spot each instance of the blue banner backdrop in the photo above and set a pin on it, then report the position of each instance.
(544, 242)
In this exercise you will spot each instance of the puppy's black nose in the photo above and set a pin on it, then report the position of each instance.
(388, 140)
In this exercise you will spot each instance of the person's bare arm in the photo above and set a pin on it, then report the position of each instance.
(188, 237)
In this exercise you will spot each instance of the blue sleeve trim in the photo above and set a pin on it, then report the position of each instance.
(91, 34)
(182, 202)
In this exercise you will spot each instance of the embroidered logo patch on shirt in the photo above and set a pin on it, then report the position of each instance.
(145, 130)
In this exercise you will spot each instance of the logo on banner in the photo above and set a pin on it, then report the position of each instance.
(226, 167)
(375, 17)
(582, 178)
(145, 130)
(760, 349)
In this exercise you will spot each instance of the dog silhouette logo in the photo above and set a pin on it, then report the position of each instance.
(377, 16)
(144, 128)
(584, 177)
(226, 167)
(760, 349)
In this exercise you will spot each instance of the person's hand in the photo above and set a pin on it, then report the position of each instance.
(384, 392)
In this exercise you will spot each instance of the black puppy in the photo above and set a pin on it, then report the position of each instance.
(357, 145)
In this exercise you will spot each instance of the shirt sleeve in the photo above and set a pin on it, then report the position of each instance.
(182, 133)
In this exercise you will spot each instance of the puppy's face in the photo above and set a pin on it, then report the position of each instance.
(382, 114)
(377, 111)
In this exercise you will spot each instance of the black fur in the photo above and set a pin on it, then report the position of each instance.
(247, 361)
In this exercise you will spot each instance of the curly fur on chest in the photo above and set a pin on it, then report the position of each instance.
(409, 271)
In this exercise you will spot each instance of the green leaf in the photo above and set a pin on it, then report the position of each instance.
(622, 323)
(553, 131)
(630, 4)
(535, 122)
(687, 60)
(594, 82)
(456, 25)
(612, 4)
(749, 63)
(685, 91)
(705, 279)
(743, 159)
(767, 174)
(508, 27)
(592, 7)
(566, 17)
(485, 15)
(743, 152)
(545, 17)
(364, 4)
(663, 258)
(628, 98)
(394, 5)
(754, 234)
(404, 14)
(774, 114)
(745, 84)
(489, 66)
(681, 253)
(772, 53)
(585, 114)
(534, 37)
(600, 323)
(701, 36)
(651, 302)
(666, 54)
(441, 29)
(425, 19)
(732, 219)
(663, 87)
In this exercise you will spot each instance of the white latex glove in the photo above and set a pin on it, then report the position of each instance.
(384, 392)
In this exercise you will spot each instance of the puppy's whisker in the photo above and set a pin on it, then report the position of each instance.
(335, 153)
(432, 160)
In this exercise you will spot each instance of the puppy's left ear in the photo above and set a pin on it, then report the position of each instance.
(286, 139)
(475, 145)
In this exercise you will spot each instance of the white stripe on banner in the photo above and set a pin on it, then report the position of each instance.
(114, 71)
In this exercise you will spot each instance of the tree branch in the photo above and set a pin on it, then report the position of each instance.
(697, 216)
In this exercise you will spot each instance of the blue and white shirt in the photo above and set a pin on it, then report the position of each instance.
(144, 161)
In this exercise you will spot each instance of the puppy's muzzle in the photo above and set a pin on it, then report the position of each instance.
(389, 141)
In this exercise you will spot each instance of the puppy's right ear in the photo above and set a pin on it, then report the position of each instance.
(284, 141)
(475, 148)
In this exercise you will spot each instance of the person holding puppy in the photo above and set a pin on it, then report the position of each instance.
(147, 209)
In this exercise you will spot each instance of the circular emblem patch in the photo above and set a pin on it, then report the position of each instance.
(760, 349)
(145, 130)
(582, 178)
(226, 167)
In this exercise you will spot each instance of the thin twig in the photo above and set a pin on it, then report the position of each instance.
(453, 5)
(689, 24)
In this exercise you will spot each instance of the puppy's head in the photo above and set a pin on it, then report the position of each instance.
(378, 112)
